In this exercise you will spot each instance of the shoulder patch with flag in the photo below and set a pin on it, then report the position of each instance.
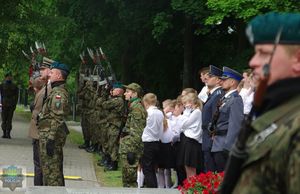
(57, 101)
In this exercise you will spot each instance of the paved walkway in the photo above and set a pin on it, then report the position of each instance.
(18, 151)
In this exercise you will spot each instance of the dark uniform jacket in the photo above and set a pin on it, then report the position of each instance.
(228, 123)
(9, 94)
(209, 109)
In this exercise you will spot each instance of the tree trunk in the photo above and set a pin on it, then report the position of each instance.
(125, 69)
(188, 53)
(242, 39)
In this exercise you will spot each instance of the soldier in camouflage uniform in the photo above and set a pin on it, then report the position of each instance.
(131, 146)
(115, 107)
(273, 148)
(9, 99)
(83, 109)
(102, 125)
(52, 127)
(92, 118)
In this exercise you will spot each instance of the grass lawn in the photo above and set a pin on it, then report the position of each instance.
(20, 110)
(106, 179)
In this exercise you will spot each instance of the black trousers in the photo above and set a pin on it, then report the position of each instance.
(209, 163)
(7, 115)
(38, 175)
(149, 163)
(220, 159)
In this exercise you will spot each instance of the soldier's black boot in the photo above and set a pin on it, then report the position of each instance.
(96, 148)
(8, 134)
(90, 149)
(4, 134)
(105, 161)
(85, 145)
(102, 161)
(112, 166)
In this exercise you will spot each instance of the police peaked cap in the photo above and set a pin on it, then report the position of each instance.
(230, 73)
(135, 87)
(213, 70)
(263, 29)
(60, 66)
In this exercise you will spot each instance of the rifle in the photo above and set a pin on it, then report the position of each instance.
(112, 73)
(99, 71)
(83, 68)
(34, 61)
(238, 154)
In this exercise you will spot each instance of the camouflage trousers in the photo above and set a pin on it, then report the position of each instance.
(113, 141)
(104, 137)
(98, 133)
(129, 172)
(52, 166)
(92, 127)
(85, 127)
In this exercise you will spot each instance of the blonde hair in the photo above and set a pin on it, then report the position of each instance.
(192, 98)
(189, 90)
(150, 99)
(166, 102)
(169, 102)
(179, 100)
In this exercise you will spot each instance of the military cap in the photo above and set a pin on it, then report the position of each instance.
(230, 73)
(135, 87)
(46, 63)
(263, 29)
(213, 70)
(61, 66)
(118, 85)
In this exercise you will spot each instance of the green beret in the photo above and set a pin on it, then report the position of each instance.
(61, 66)
(118, 85)
(263, 29)
(135, 87)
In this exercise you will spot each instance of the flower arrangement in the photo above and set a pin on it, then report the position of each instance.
(204, 183)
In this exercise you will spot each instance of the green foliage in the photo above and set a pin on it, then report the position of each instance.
(144, 40)
(246, 9)
(161, 24)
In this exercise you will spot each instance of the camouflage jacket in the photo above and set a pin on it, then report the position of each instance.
(135, 124)
(86, 94)
(51, 122)
(274, 152)
(115, 108)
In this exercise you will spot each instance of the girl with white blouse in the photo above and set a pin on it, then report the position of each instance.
(190, 141)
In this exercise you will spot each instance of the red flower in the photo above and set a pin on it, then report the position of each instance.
(203, 183)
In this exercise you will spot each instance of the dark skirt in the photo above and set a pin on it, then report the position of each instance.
(189, 153)
(166, 156)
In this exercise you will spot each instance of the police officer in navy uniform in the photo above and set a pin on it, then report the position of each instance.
(208, 111)
(229, 119)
